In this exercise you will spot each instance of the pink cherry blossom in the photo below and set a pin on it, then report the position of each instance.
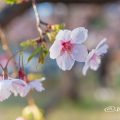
(22, 87)
(68, 47)
(94, 57)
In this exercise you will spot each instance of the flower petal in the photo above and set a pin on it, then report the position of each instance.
(102, 42)
(26, 91)
(55, 50)
(18, 87)
(37, 85)
(4, 95)
(79, 35)
(102, 47)
(5, 86)
(79, 52)
(91, 61)
(65, 61)
(63, 35)
(94, 64)
(85, 68)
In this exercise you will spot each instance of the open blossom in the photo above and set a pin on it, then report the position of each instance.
(94, 57)
(68, 47)
(22, 87)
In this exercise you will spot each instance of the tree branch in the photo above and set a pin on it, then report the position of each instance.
(38, 22)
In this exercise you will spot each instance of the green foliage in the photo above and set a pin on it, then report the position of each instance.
(10, 1)
(51, 36)
(29, 43)
(54, 30)
(42, 51)
(57, 27)
(35, 52)
(13, 1)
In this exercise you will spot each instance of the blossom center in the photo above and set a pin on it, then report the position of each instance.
(67, 46)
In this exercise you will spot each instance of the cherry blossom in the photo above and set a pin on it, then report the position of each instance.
(94, 57)
(18, 87)
(23, 86)
(68, 47)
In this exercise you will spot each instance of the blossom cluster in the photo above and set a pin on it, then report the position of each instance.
(69, 47)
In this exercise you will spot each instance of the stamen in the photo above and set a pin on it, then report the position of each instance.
(67, 46)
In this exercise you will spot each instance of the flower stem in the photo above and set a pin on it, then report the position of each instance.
(30, 99)
(38, 22)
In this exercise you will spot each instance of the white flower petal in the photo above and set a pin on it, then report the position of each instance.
(55, 50)
(63, 35)
(27, 89)
(85, 68)
(18, 87)
(79, 52)
(102, 47)
(65, 61)
(66, 35)
(87, 62)
(37, 85)
(93, 61)
(60, 35)
(94, 64)
(102, 42)
(79, 35)
(4, 95)
(5, 86)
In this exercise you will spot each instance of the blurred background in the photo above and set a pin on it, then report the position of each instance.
(68, 95)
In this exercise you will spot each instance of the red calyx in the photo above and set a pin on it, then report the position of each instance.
(22, 75)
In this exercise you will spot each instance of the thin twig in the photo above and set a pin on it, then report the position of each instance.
(13, 56)
(1, 66)
(38, 22)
